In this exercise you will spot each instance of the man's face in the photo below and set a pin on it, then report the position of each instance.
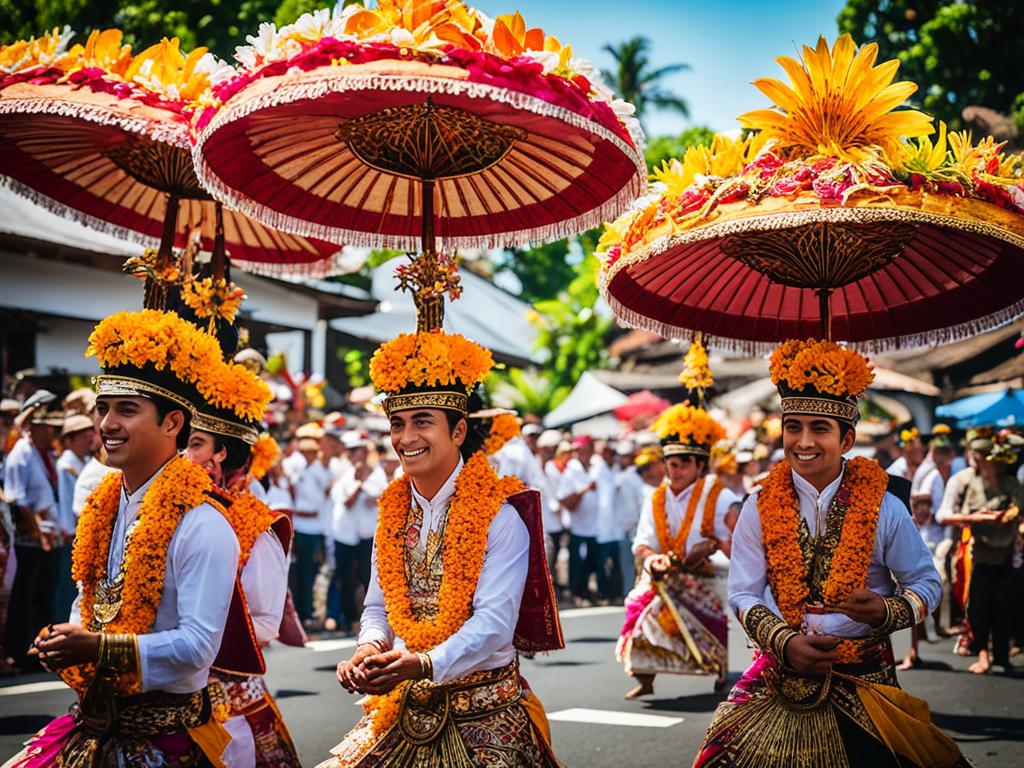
(654, 473)
(813, 445)
(131, 429)
(682, 471)
(423, 441)
(358, 455)
(921, 509)
(202, 449)
(585, 452)
(82, 442)
(41, 435)
(330, 447)
(531, 442)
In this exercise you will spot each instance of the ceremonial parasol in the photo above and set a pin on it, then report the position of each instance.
(644, 403)
(834, 216)
(101, 136)
(418, 123)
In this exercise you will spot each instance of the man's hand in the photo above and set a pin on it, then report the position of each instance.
(811, 654)
(386, 670)
(350, 673)
(65, 645)
(864, 606)
(658, 565)
(700, 552)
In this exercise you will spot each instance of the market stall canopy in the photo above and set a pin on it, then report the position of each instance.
(590, 397)
(1001, 409)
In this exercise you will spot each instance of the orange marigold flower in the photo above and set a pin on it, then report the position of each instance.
(433, 358)
(504, 427)
(688, 424)
(822, 365)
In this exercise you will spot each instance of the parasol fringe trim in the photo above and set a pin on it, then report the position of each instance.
(79, 217)
(170, 133)
(751, 348)
(285, 94)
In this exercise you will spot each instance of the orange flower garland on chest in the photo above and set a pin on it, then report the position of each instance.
(779, 508)
(249, 517)
(479, 494)
(674, 545)
(181, 486)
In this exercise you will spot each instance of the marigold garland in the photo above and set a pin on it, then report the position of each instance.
(213, 299)
(263, 456)
(433, 358)
(864, 482)
(689, 425)
(504, 427)
(166, 341)
(821, 365)
(479, 494)
(707, 523)
(674, 545)
(181, 486)
(249, 518)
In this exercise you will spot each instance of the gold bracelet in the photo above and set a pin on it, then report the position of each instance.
(119, 653)
(426, 667)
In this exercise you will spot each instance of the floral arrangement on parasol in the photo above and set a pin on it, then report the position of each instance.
(835, 214)
(100, 135)
(418, 124)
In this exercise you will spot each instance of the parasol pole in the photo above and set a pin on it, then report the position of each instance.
(429, 309)
(155, 292)
(825, 312)
(218, 260)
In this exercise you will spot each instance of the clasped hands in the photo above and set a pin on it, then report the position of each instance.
(815, 654)
(373, 671)
(64, 645)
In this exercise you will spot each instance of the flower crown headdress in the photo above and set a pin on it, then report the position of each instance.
(820, 378)
(686, 430)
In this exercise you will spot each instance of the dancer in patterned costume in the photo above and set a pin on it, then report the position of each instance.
(222, 442)
(459, 584)
(675, 616)
(826, 564)
(155, 562)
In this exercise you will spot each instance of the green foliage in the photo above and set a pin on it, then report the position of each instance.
(960, 53)
(542, 270)
(634, 80)
(530, 392)
(661, 148)
(357, 366)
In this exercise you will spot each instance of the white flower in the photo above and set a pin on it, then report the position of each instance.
(246, 56)
(623, 108)
(402, 37)
(549, 60)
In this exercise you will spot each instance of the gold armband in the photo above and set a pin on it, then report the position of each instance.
(768, 631)
(426, 666)
(902, 611)
(119, 654)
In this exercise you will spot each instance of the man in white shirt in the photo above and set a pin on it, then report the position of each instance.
(577, 492)
(30, 487)
(152, 609)
(633, 486)
(820, 603)
(311, 484)
(420, 643)
(552, 466)
(78, 435)
(609, 529)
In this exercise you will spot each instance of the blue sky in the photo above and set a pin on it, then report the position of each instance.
(727, 44)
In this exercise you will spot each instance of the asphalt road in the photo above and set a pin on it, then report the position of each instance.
(984, 714)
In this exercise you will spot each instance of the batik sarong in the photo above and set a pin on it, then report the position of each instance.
(259, 736)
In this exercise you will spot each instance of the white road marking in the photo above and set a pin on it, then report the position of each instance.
(597, 610)
(330, 645)
(49, 685)
(608, 717)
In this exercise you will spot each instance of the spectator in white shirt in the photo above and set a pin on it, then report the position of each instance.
(609, 530)
(552, 465)
(311, 483)
(80, 439)
(578, 493)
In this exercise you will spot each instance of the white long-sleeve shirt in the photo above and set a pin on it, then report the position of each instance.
(899, 557)
(90, 476)
(675, 508)
(311, 484)
(199, 578)
(265, 581)
(69, 467)
(577, 479)
(485, 640)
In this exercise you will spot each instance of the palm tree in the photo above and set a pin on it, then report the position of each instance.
(637, 83)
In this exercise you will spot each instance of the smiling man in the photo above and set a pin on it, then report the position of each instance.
(455, 551)
(826, 564)
(155, 564)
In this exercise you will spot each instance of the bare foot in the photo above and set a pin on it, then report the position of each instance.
(721, 685)
(982, 665)
(910, 661)
(644, 689)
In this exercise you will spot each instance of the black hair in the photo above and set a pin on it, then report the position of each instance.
(843, 429)
(476, 429)
(163, 407)
(237, 452)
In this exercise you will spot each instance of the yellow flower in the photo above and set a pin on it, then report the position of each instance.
(689, 425)
(840, 104)
(696, 372)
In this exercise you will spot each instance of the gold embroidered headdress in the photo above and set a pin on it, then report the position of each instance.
(820, 378)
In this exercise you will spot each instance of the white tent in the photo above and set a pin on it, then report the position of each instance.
(486, 314)
(590, 397)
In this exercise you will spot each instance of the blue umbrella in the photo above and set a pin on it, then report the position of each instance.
(1001, 409)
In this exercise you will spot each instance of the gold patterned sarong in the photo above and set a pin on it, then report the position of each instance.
(484, 719)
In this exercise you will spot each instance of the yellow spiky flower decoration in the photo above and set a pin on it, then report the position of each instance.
(840, 104)
(684, 423)
(696, 373)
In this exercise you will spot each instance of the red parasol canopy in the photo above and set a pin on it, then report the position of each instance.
(644, 403)
(101, 137)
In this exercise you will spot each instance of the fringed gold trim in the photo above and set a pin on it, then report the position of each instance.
(125, 386)
(313, 88)
(206, 423)
(452, 401)
(820, 406)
